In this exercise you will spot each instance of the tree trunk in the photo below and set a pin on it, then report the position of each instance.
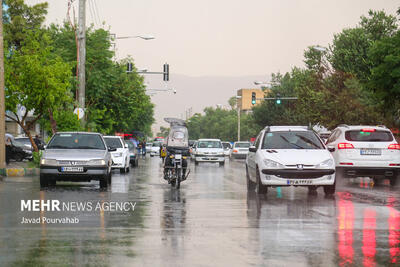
(27, 131)
(53, 122)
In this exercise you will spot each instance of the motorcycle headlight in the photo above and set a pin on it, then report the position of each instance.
(270, 164)
(51, 162)
(97, 162)
(327, 164)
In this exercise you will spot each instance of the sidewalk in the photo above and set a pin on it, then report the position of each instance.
(19, 169)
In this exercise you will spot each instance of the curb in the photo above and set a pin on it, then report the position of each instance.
(19, 172)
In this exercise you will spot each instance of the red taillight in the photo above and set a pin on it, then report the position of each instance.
(345, 146)
(368, 130)
(394, 164)
(394, 146)
(346, 163)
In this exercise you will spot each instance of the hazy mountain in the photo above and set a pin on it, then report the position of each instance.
(193, 92)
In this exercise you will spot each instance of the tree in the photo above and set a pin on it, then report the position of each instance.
(35, 79)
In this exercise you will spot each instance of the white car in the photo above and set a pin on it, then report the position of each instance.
(148, 147)
(289, 155)
(209, 150)
(227, 148)
(121, 156)
(365, 151)
(240, 150)
(155, 149)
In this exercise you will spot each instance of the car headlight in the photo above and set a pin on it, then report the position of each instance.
(270, 164)
(97, 162)
(52, 162)
(327, 164)
(117, 155)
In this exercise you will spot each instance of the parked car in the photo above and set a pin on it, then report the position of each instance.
(289, 155)
(209, 150)
(240, 150)
(76, 156)
(133, 154)
(227, 148)
(365, 151)
(155, 149)
(27, 149)
(148, 147)
(120, 157)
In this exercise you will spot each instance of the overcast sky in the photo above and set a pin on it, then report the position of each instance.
(222, 37)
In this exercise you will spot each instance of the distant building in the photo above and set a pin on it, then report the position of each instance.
(244, 103)
(13, 128)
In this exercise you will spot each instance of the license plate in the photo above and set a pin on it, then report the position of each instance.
(299, 182)
(370, 151)
(72, 169)
(178, 156)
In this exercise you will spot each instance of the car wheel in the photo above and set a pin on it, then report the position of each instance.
(127, 168)
(312, 190)
(19, 157)
(250, 184)
(222, 163)
(393, 180)
(104, 181)
(44, 182)
(260, 188)
(330, 189)
(122, 170)
(196, 162)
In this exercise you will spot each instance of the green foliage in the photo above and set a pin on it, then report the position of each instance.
(37, 156)
(163, 131)
(115, 101)
(222, 124)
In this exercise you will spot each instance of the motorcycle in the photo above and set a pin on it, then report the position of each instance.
(175, 164)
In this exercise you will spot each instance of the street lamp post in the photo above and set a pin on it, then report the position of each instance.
(238, 114)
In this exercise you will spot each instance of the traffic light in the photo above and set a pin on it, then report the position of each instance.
(129, 67)
(253, 98)
(278, 99)
(166, 72)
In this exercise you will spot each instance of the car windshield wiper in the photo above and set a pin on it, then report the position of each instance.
(59, 146)
(308, 141)
(284, 138)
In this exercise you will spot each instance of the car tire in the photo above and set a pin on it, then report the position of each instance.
(44, 182)
(393, 180)
(260, 188)
(330, 189)
(250, 184)
(104, 181)
(312, 190)
(19, 157)
(222, 163)
(196, 162)
(122, 170)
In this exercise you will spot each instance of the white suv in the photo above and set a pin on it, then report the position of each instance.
(365, 151)
(121, 156)
(289, 155)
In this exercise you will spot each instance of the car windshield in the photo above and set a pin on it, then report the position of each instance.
(157, 144)
(226, 145)
(25, 141)
(368, 136)
(291, 140)
(209, 144)
(20, 143)
(242, 145)
(113, 142)
(76, 141)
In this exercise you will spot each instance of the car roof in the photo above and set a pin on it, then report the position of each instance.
(357, 127)
(242, 142)
(286, 128)
(77, 133)
(112, 136)
(209, 139)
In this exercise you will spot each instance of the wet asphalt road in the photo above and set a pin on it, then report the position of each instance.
(210, 221)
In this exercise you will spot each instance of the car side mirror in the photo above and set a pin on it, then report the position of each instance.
(126, 146)
(252, 149)
(331, 148)
(112, 149)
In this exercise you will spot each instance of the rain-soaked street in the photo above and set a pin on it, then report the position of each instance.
(210, 221)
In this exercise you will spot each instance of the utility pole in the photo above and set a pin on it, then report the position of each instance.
(2, 101)
(82, 54)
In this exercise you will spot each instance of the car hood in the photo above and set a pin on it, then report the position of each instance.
(209, 150)
(74, 154)
(297, 156)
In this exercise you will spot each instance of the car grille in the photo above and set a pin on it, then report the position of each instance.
(71, 162)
